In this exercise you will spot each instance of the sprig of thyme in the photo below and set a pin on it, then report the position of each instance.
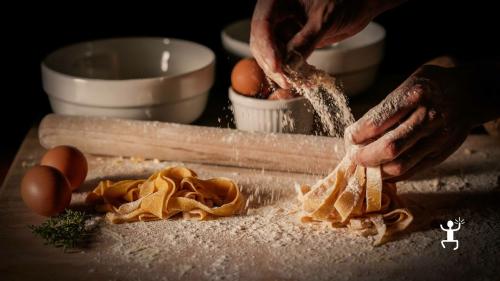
(68, 230)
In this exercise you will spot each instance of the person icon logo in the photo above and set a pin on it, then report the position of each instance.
(450, 232)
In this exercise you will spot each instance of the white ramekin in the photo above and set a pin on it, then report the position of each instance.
(273, 116)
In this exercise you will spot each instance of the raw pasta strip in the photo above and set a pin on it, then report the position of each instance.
(359, 208)
(340, 199)
(351, 196)
(164, 194)
(319, 201)
(373, 189)
(390, 223)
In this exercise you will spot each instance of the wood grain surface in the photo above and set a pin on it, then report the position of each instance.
(195, 144)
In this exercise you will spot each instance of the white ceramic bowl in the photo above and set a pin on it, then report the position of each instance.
(354, 60)
(140, 78)
(273, 116)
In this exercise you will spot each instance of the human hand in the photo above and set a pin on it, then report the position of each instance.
(419, 124)
(280, 27)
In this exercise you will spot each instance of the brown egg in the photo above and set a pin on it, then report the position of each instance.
(248, 78)
(45, 190)
(281, 94)
(70, 161)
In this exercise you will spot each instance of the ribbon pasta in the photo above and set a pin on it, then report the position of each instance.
(356, 197)
(166, 193)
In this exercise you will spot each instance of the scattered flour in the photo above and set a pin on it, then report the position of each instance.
(269, 242)
(324, 93)
(288, 122)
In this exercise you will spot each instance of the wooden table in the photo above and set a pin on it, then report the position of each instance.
(466, 185)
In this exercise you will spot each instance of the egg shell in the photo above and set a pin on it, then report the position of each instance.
(45, 190)
(247, 78)
(70, 161)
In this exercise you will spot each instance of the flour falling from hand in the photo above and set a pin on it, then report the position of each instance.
(324, 92)
(343, 197)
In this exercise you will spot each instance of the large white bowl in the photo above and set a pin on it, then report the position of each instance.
(272, 116)
(354, 60)
(140, 78)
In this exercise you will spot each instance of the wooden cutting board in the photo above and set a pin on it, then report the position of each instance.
(268, 243)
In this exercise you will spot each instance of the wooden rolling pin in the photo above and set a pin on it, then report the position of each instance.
(195, 144)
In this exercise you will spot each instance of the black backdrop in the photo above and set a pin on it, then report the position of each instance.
(416, 31)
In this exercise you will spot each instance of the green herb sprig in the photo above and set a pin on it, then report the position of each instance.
(67, 230)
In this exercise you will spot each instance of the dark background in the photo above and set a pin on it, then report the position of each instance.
(416, 31)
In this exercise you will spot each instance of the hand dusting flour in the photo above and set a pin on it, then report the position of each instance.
(270, 243)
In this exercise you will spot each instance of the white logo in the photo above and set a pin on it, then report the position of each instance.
(450, 232)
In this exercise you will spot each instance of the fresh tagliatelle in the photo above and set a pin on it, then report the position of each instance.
(358, 198)
(166, 193)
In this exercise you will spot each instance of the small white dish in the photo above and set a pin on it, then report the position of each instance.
(273, 116)
(355, 60)
(141, 78)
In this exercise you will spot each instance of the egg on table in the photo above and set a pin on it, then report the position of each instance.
(45, 190)
(68, 160)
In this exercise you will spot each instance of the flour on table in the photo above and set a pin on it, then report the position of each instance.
(273, 244)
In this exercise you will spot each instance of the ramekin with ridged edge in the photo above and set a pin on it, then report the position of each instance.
(273, 116)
